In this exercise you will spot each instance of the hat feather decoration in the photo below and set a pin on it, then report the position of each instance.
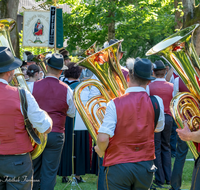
(106, 44)
(130, 64)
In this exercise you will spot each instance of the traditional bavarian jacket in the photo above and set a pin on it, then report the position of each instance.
(51, 95)
(129, 121)
(164, 90)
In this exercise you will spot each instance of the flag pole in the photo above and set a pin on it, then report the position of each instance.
(55, 1)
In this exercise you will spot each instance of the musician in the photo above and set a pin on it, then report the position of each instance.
(170, 77)
(15, 145)
(56, 98)
(163, 89)
(66, 57)
(126, 136)
(182, 148)
(186, 135)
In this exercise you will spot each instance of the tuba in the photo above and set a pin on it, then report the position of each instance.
(105, 65)
(6, 25)
(179, 51)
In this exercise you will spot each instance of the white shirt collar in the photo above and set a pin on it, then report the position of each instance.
(135, 89)
(3, 81)
(52, 77)
(159, 79)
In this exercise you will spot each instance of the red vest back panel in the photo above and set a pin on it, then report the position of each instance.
(164, 90)
(133, 140)
(14, 138)
(51, 95)
(182, 86)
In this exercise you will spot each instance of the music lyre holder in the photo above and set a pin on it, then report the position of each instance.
(72, 179)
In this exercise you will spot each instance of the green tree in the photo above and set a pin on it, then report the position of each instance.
(187, 14)
(141, 24)
(9, 9)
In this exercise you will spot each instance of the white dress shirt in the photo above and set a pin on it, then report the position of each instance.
(94, 91)
(70, 102)
(110, 118)
(37, 116)
(176, 86)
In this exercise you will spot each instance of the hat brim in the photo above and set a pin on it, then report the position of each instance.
(14, 65)
(146, 78)
(63, 68)
(156, 69)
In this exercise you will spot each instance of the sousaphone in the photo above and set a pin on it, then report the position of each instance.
(179, 51)
(105, 65)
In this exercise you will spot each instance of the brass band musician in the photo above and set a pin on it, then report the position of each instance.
(15, 145)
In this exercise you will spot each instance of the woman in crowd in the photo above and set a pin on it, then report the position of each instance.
(33, 73)
(81, 135)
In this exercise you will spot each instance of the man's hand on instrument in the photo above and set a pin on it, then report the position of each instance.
(99, 151)
(185, 133)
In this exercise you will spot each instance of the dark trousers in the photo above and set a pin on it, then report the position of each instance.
(163, 152)
(181, 153)
(173, 139)
(196, 176)
(129, 176)
(16, 172)
(46, 165)
(101, 174)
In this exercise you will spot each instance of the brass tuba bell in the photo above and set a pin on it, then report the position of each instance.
(105, 65)
(179, 51)
(6, 25)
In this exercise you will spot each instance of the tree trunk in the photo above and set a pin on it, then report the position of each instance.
(9, 9)
(111, 24)
(192, 16)
(178, 19)
(111, 30)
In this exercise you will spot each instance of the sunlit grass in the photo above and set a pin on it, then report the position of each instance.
(91, 179)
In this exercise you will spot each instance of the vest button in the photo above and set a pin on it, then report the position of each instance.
(137, 149)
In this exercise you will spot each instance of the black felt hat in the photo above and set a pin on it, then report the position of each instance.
(56, 61)
(142, 68)
(7, 61)
(112, 41)
(159, 65)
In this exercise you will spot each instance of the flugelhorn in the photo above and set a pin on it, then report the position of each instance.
(179, 51)
(105, 65)
(6, 25)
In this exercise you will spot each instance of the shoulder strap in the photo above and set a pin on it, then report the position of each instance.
(156, 108)
(28, 125)
(74, 84)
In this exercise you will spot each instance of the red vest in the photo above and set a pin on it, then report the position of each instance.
(182, 86)
(134, 133)
(164, 90)
(14, 138)
(175, 75)
(51, 95)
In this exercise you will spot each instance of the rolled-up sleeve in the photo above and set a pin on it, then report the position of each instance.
(161, 120)
(72, 109)
(110, 120)
(38, 117)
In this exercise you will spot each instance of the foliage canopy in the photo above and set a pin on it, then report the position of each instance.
(141, 23)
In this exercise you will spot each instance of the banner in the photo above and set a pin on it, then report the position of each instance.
(52, 26)
(36, 28)
(59, 28)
